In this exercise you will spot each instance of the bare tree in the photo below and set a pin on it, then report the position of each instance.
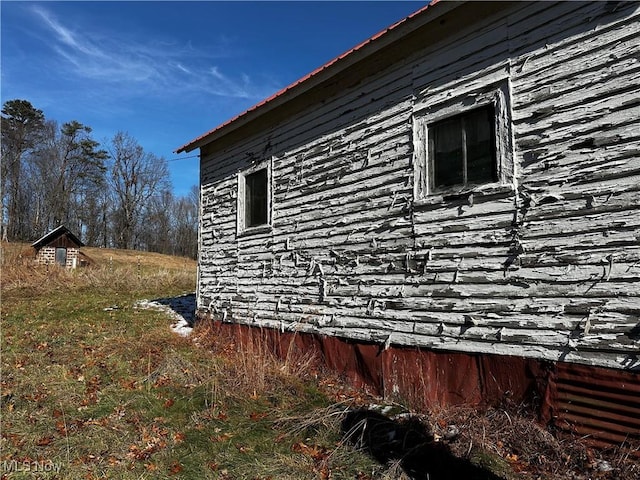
(55, 174)
(70, 167)
(21, 128)
(171, 224)
(39, 178)
(186, 224)
(136, 176)
(157, 232)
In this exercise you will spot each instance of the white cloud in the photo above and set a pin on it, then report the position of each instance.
(126, 64)
(215, 73)
(241, 87)
(182, 68)
(63, 34)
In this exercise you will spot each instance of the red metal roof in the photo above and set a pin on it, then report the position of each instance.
(192, 144)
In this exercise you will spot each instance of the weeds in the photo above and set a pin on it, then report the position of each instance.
(102, 389)
(512, 434)
(118, 271)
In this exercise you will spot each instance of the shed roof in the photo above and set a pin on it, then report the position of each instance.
(56, 233)
(338, 64)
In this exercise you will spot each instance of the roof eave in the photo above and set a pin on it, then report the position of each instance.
(58, 231)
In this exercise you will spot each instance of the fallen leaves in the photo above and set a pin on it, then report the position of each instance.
(314, 451)
(143, 453)
(16, 440)
(222, 416)
(44, 441)
(129, 384)
(92, 390)
(243, 448)
(61, 427)
(221, 438)
(320, 456)
(162, 381)
(153, 440)
(255, 416)
(512, 457)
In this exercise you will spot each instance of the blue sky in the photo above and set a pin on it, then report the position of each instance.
(166, 72)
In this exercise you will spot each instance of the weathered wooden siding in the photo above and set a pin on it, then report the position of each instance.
(577, 128)
(545, 265)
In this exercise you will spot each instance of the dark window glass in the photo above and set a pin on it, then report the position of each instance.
(462, 149)
(448, 164)
(255, 197)
(480, 142)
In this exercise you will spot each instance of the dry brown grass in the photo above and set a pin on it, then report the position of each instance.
(252, 368)
(104, 389)
(148, 260)
(252, 401)
(533, 452)
(115, 270)
(509, 441)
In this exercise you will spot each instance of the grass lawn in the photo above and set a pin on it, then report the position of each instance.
(94, 391)
(92, 386)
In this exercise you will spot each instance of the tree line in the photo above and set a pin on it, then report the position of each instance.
(114, 194)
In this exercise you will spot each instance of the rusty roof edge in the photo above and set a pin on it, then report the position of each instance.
(363, 50)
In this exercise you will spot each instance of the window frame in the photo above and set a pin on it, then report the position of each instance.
(496, 95)
(464, 128)
(242, 228)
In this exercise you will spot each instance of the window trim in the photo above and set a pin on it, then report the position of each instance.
(496, 95)
(431, 154)
(242, 229)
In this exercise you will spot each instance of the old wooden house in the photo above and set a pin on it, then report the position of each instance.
(59, 247)
(448, 212)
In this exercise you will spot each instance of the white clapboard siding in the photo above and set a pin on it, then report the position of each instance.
(544, 265)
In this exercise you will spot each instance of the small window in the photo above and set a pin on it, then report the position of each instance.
(462, 150)
(462, 141)
(256, 206)
(254, 198)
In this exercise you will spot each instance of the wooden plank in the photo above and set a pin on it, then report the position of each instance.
(534, 62)
(561, 23)
(548, 269)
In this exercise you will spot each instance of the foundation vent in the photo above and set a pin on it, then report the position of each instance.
(600, 404)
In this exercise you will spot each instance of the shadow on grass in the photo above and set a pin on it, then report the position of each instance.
(410, 443)
(183, 305)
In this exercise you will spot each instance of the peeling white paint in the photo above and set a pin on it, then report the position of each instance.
(545, 261)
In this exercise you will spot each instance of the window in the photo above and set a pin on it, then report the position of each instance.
(462, 141)
(254, 198)
(462, 149)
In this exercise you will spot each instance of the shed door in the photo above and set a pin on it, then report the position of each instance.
(61, 256)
